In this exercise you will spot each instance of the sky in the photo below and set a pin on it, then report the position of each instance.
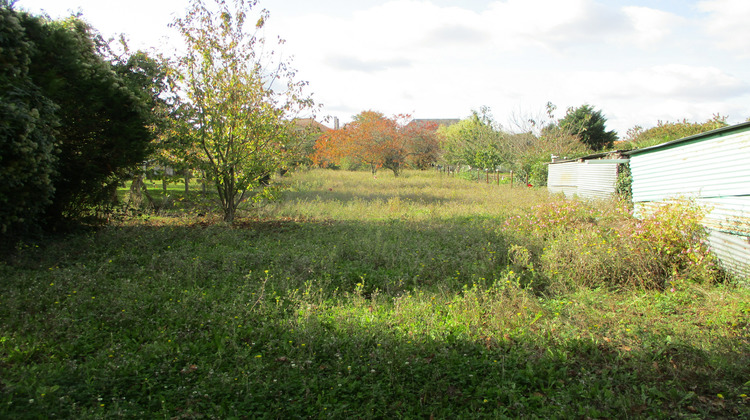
(637, 61)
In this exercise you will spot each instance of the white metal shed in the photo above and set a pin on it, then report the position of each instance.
(590, 177)
(712, 168)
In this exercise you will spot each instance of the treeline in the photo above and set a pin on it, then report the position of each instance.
(375, 141)
(478, 141)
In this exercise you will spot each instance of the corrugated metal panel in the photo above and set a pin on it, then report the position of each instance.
(563, 174)
(712, 169)
(727, 214)
(733, 252)
(583, 179)
(717, 167)
(597, 181)
(563, 178)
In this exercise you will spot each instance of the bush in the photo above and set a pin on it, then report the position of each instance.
(638, 138)
(103, 132)
(27, 142)
(536, 168)
(624, 183)
(676, 241)
(573, 244)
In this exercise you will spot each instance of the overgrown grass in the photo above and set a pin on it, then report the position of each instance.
(357, 297)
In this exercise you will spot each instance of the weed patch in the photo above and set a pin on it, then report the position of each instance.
(458, 299)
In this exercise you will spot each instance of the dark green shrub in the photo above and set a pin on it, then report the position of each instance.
(27, 142)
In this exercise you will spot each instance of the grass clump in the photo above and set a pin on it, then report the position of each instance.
(372, 298)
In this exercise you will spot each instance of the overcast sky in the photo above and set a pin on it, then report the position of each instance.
(638, 61)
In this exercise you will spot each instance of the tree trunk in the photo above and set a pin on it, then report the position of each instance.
(136, 191)
(229, 213)
(187, 181)
(113, 196)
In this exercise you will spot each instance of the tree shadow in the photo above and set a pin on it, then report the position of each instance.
(290, 319)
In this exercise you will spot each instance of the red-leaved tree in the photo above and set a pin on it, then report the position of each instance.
(378, 141)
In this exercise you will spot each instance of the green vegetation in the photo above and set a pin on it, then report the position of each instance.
(474, 141)
(82, 115)
(233, 113)
(103, 129)
(352, 297)
(480, 142)
(27, 140)
(639, 138)
(75, 121)
(589, 125)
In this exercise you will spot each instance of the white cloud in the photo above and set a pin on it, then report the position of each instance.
(668, 81)
(553, 25)
(688, 82)
(728, 23)
(651, 26)
(144, 30)
(347, 62)
(456, 34)
(669, 92)
(441, 58)
(635, 63)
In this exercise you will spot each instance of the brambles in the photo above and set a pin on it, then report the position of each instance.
(578, 244)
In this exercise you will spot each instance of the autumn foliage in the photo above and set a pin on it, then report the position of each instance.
(379, 142)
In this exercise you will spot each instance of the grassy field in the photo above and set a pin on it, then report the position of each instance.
(424, 296)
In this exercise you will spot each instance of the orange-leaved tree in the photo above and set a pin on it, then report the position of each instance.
(376, 140)
(424, 144)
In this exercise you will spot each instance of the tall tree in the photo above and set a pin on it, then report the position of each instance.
(368, 139)
(424, 143)
(535, 139)
(474, 141)
(149, 76)
(590, 125)
(27, 142)
(103, 131)
(72, 124)
(235, 113)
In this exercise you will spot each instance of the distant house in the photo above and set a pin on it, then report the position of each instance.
(592, 177)
(310, 123)
(712, 168)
